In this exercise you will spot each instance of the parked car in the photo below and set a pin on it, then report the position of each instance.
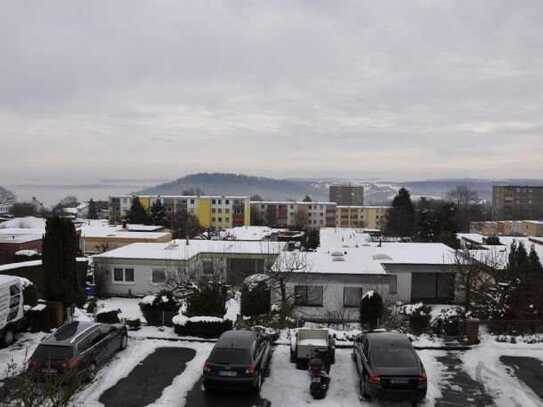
(11, 309)
(388, 367)
(307, 341)
(239, 359)
(78, 349)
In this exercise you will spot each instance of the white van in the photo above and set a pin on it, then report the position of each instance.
(11, 308)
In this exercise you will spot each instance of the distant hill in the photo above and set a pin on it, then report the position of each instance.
(6, 195)
(237, 184)
(375, 192)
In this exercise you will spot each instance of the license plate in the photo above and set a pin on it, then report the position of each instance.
(399, 381)
(227, 373)
(316, 380)
(49, 371)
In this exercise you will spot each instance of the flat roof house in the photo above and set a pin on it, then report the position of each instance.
(328, 284)
(146, 268)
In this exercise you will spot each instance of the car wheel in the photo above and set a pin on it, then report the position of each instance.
(91, 372)
(124, 342)
(9, 337)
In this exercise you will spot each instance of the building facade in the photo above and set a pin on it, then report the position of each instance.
(347, 195)
(369, 217)
(295, 214)
(218, 212)
(517, 202)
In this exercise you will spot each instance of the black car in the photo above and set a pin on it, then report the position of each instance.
(77, 349)
(389, 368)
(239, 359)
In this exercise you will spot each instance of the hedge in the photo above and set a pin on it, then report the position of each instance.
(203, 329)
(159, 318)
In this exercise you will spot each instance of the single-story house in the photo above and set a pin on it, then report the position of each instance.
(329, 284)
(145, 268)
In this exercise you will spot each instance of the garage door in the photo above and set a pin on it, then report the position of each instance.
(432, 288)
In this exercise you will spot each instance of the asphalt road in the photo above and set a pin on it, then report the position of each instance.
(199, 398)
(460, 390)
(146, 382)
(529, 370)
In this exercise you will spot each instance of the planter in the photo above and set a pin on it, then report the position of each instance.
(159, 318)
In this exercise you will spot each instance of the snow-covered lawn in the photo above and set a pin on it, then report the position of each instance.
(129, 307)
(483, 364)
(125, 361)
(17, 354)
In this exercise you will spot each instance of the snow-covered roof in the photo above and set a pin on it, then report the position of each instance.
(335, 238)
(367, 259)
(249, 232)
(293, 203)
(28, 222)
(179, 250)
(103, 229)
(498, 255)
(20, 235)
(28, 253)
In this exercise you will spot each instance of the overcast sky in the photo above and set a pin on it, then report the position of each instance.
(159, 89)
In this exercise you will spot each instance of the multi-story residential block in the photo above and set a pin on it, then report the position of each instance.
(517, 202)
(5, 208)
(301, 214)
(347, 195)
(318, 214)
(218, 212)
(369, 217)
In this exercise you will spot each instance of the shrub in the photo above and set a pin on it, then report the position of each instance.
(203, 327)
(419, 317)
(91, 305)
(255, 298)
(208, 299)
(159, 309)
(371, 309)
(108, 317)
(133, 324)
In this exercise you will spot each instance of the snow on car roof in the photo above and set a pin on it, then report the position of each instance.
(180, 250)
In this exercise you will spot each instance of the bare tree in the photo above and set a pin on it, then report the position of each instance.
(281, 272)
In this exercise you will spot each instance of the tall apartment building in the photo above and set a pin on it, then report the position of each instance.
(218, 212)
(517, 202)
(347, 195)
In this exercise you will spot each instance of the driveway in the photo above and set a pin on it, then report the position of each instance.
(529, 370)
(151, 376)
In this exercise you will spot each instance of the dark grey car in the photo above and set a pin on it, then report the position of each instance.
(77, 349)
(388, 367)
(238, 360)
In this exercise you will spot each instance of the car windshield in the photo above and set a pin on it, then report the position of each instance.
(230, 356)
(393, 357)
(53, 352)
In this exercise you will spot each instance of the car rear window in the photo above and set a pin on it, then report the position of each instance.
(53, 352)
(230, 356)
(393, 357)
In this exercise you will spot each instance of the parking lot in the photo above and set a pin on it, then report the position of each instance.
(153, 372)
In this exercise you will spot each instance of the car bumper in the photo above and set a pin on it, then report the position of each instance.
(233, 383)
(395, 394)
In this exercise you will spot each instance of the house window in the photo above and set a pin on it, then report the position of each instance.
(159, 276)
(126, 275)
(220, 219)
(118, 275)
(227, 202)
(308, 295)
(207, 267)
(212, 219)
(227, 210)
(352, 297)
(218, 201)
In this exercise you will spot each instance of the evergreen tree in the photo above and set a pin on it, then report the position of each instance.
(534, 261)
(401, 217)
(184, 224)
(137, 213)
(60, 245)
(307, 198)
(158, 213)
(93, 213)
